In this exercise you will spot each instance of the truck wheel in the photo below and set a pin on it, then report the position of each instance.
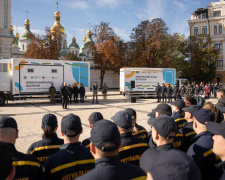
(2, 100)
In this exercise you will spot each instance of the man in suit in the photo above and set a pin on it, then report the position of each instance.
(95, 92)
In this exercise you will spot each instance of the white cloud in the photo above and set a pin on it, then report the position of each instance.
(122, 33)
(111, 3)
(140, 15)
(77, 4)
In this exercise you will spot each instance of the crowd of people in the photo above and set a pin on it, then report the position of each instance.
(188, 144)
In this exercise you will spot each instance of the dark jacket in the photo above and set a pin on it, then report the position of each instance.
(165, 147)
(95, 88)
(219, 114)
(27, 167)
(44, 148)
(179, 119)
(202, 154)
(111, 168)
(52, 90)
(190, 90)
(75, 90)
(169, 90)
(158, 89)
(183, 90)
(188, 133)
(176, 91)
(132, 148)
(86, 143)
(142, 132)
(78, 161)
(82, 90)
(70, 90)
(197, 90)
(163, 89)
(64, 91)
(221, 167)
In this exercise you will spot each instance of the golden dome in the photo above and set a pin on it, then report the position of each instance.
(57, 26)
(84, 39)
(27, 24)
(89, 33)
(74, 39)
(11, 30)
(17, 36)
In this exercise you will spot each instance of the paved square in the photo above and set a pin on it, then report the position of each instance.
(28, 114)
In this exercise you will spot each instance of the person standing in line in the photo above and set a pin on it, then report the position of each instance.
(175, 92)
(169, 93)
(183, 90)
(52, 92)
(82, 93)
(197, 90)
(163, 91)
(65, 95)
(75, 92)
(70, 90)
(158, 91)
(104, 91)
(95, 92)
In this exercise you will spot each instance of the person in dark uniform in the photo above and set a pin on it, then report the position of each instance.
(178, 115)
(73, 159)
(201, 149)
(218, 143)
(82, 93)
(188, 131)
(163, 91)
(70, 90)
(163, 109)
(133, 147)
(189, 90)
(75, 92)
(183, 90)
(6, 163)
(163, 132)
(211, 89)
(50, 142)
(65, 95)
(221, 103)
(105, 144)
(138, 131)
(27, 167)
(158, 92)
(52, 92)
(95, 92)
(197, 90)
(169, 93)
(175, 92)
(216, 87)
(170, 165)
(93, 118)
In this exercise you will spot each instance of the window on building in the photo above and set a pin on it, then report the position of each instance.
(219, 45)
(219, 63)
(203, 15)
(22, 47)
(216, 13)
(3, 67)
(220, 28)
(215, 29)
(76, 53)
(195, 31)
(84, 59)
(204, 29)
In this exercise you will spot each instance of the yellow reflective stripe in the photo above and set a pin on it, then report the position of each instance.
(45, 147)
(24, 163)
(181, 135)
(141, 131)
(179, 119)
(191, 133)
(132, 146)
(87, 146)
(140, 178)
(208, 153)
(72, 164)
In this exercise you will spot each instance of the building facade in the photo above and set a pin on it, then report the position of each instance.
(211, 21)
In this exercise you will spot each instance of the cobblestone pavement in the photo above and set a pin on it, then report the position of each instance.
(29, 113)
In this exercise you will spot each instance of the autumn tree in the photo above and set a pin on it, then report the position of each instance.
(107, 48)
(71, 57)
(44, 47)
(199, 57)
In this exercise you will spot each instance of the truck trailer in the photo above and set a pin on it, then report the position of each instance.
(22, 78)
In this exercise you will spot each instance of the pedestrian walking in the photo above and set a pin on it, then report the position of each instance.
(104, 91)
(95, 92)
(158, 92)
(65, 95)
(52, 92)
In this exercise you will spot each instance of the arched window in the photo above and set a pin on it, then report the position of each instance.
(220, 28)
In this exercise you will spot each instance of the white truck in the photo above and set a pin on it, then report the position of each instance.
(145, 79)
(29, 78)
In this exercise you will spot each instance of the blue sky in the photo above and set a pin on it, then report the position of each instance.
(123, 15)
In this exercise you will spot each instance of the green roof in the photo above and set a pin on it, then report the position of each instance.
(82, 54)
(63, 53)
(25, 33)
(15, 41)
(74, 45)
(87, 43)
